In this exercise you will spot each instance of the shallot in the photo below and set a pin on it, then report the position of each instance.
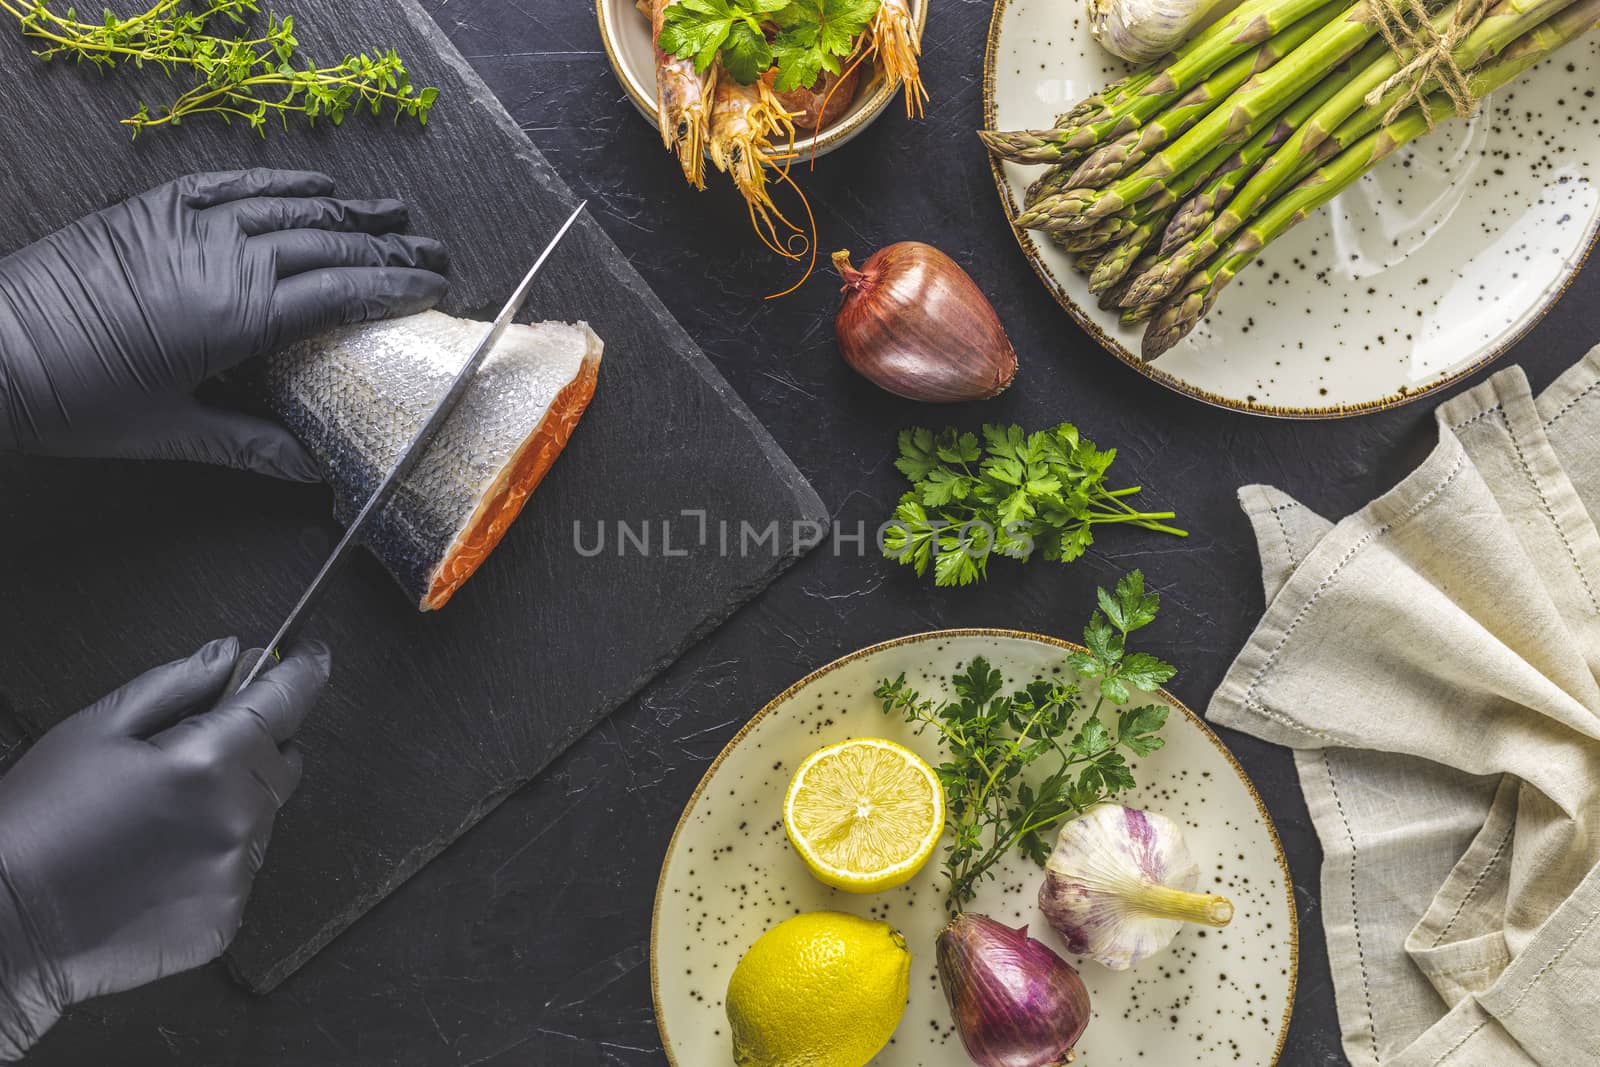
(1015, 1002)
(914, 323)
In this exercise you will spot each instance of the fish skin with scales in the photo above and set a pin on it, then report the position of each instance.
(356, 396)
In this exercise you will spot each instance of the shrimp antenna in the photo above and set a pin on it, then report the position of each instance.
(811, 221)
(861, 56)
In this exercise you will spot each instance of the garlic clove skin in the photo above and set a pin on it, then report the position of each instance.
(1120, 885)
(1141, 31)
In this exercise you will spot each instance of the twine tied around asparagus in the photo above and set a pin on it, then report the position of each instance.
(1427, 55)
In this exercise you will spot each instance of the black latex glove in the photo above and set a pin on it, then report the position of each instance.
(107, 326)
(130, 833)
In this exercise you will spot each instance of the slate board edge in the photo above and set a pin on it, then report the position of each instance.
(806, 499)
(421, 856)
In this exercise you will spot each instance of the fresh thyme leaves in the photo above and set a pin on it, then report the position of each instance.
(1020, 763)
(810, 36)
(1013, 494)
(253, 79)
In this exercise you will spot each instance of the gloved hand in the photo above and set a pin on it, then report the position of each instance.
(107, 326)
(130, 833)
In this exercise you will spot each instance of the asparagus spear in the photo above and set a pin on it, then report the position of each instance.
(1168, 198)
(1157, 212)
(1085, 110)
(1256, 104)
(1120, 260)
(1108, 298)
(1049, 183)
(1032, 146)
(1134, 316)
(1108, 161)
(1175, 320)
(1039, 205)
(1120, 228)
(1219, 188)
(1132, 148)
(1088, 261)
(1110, 231)
(1096, 105)
(1250, 25)
(1506, 23)
(1113, 228)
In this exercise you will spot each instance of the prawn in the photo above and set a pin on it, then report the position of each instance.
(898, 47)
(745, 119)
(683, 99)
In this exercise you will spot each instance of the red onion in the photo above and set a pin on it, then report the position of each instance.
(1015, 1002)
(914, 323)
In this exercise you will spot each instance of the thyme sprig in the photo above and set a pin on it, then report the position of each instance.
(253, 79)
(992, 739)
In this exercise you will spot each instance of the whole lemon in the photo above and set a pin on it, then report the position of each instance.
(824, 989)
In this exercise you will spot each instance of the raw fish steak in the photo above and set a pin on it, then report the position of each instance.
(356, 396)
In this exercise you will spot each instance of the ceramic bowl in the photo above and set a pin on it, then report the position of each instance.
(625, 34)
(1426, 270)
(1213, 997)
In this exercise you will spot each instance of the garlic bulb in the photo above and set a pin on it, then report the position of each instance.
(1120, 885)
(1143, 30)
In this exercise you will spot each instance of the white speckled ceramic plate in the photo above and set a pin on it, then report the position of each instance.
(1428, 269)
(1214, 997)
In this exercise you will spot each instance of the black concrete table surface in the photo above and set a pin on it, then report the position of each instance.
(528, 941)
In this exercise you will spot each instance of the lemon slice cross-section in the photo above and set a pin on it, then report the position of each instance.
(864, 814)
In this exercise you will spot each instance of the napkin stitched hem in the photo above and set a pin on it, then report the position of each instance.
(1238, 692)
(1436, 845)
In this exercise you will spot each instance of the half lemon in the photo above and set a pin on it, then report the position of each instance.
(864, 814)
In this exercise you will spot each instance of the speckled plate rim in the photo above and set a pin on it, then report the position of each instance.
(820, 143)
(1116, 348)
(941, 635)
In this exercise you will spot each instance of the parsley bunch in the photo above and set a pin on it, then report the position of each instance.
(1021, 763)
(1043, 491)
(811, 36)
(252, 79)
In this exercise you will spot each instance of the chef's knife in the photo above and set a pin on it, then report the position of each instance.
(250, 664)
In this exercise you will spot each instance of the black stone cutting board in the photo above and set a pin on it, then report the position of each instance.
(431, 720)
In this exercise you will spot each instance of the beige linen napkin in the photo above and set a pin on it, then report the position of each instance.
(1433, 661)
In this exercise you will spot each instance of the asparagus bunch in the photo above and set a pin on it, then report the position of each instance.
(1169, 182)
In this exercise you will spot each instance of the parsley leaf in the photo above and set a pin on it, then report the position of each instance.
(698, 29)
(746, 52)
(810, 37)
(1143, 671)
(1015, 493)
(917, 456)
(814, 35)
(1020, 762)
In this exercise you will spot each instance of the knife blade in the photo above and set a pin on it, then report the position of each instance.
(251, 662)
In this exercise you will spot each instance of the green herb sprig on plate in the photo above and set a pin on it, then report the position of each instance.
(812, 36)
(1014, 494)
(996, 799)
